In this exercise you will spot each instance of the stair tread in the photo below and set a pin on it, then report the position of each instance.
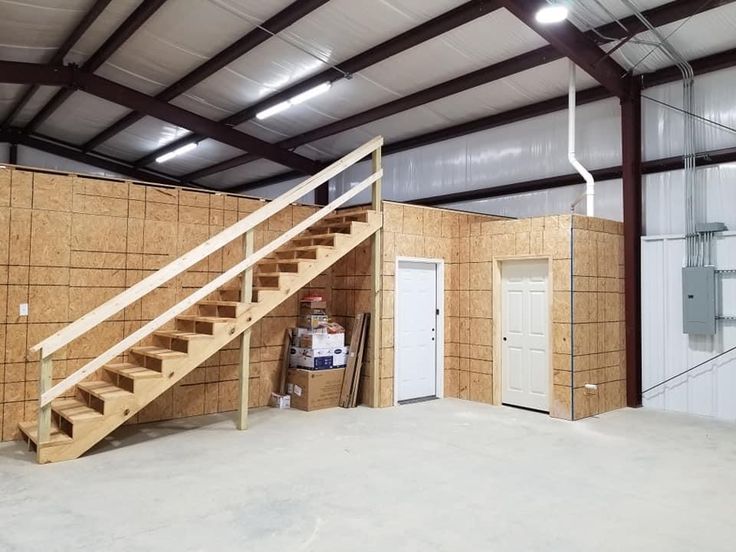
(56, 436)
(132, 371)
(203, 318)
(182, 335)
(307, 247)
(319, 236)
(75, 410)
(158, 352)
(104, 390)
(222, 303)
(274, 274)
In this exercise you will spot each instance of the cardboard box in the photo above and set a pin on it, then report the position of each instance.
(314, 390)
(322, 341)
(313, 321)
(318, 359)
(280, 401)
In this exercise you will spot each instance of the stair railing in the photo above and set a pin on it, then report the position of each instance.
(46, 348)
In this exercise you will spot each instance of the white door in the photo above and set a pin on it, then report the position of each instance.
(416, 330)
(525, 334)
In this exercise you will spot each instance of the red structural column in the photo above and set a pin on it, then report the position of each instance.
(632, 199)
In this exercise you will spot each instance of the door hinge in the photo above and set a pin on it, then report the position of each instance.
(437, 312)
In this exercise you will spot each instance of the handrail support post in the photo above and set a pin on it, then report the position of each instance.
(375, 337)
(45, 381)
(246, 293)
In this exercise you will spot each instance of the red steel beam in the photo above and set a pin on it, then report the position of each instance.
(430, 29)
(283, 19)
(631, 146)
(574, 44)
(89, 17)
(701, 66)
(29, 73)
(133, 22)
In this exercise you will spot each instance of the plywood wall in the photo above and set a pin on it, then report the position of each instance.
(470, 245)
(70, 243)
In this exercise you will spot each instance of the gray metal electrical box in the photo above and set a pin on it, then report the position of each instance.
(699, 300)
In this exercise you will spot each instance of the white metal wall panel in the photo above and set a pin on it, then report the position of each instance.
(30, 157)
(666, 351)
(663, 126)
(664, 211)
(527, 150)
(608, 202)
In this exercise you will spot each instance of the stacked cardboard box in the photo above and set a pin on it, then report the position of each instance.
(318, 343)
(318, 357)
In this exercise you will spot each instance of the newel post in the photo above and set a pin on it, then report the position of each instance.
(246, 296)
(376, 282)
(45, 381)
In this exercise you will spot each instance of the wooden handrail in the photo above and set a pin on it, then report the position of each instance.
(203, 292)
(82, 325)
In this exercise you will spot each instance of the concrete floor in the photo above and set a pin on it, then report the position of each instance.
(442, 475)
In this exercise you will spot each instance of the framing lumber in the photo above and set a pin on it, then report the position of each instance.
(347, 380)
(89, 17)
(283, 19)
(246, 296)
(376, 287)
(132, 23)
(421, 33)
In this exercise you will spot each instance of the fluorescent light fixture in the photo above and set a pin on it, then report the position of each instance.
(296, 100)
(553, 13)
(273, 110)
(311, 93)
(178, 151)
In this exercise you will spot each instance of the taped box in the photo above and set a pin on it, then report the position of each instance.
(318, 359)
(314, 390)
(321, 341)
(280, 401)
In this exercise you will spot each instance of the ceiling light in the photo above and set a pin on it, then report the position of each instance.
(311, 93)
(273, 110)
(296, 100)
(553, 13)
(178, 151)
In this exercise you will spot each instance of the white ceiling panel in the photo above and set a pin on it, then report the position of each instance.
(175, 34)
(81, 117)
(331, 34)
(246, 173)
(33, 31)
(37, 101)
(8, 95)
(450, 55)
(141, 138)
(704, 34)
(586, 14)
(110, 19)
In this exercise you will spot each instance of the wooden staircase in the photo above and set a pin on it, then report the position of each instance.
(107, 393)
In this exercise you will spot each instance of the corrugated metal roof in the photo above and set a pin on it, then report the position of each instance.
(184, 33)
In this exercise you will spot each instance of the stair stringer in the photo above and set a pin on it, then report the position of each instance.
(173, 370)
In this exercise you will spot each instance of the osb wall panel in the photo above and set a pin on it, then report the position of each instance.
(73, 242)
(470, 245)
(598, 316)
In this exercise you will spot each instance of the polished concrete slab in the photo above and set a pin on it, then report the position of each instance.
(444, 475)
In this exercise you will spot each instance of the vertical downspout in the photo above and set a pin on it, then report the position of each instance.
(589, 182)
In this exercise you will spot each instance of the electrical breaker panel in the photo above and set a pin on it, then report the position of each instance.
(699, 300)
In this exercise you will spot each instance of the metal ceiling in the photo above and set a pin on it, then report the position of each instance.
(149, 46)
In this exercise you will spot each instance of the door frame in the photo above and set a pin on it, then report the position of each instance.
(497, 368)
(440, 334)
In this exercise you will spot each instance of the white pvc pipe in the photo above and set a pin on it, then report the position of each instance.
(589, 182)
